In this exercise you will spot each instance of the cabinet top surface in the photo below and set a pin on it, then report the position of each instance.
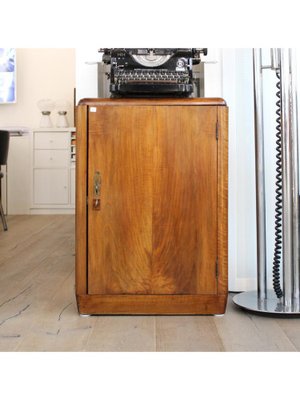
(68, 129)
(201, 101)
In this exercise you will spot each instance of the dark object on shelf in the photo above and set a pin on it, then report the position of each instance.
(4, 144)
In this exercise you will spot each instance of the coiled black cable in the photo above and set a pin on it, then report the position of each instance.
(278, 191)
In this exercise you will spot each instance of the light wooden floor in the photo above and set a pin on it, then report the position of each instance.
(38, 308)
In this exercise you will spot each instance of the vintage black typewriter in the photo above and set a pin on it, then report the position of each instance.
(151, 72)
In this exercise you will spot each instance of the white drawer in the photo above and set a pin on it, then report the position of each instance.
(51, 186)
(51, 140)
(51, 158)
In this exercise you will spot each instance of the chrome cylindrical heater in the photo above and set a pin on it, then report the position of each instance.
(283, 300)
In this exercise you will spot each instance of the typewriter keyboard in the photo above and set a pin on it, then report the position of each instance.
(150, 76)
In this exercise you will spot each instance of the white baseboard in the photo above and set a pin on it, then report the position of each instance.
(242, 285)
(44, 211)
(246, 284)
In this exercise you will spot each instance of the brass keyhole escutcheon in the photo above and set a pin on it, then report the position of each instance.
(97, 191)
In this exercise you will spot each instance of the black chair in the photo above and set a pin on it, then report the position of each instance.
(4, 143)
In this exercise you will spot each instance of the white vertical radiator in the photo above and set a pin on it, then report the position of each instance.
(284, 298)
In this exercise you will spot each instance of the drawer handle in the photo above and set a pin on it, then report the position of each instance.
(97, 191)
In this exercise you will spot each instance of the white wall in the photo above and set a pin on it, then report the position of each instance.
(86, 72)
(232, 79)
(237, 89)
(41, 73)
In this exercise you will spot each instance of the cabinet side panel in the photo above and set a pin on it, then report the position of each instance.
(223, 200)
(81, 195)
(185, 201)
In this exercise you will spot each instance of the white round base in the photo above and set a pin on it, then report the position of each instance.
(271, 305)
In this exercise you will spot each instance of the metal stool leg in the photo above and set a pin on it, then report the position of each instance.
(3, 217)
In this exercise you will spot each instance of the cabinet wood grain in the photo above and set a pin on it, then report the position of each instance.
(151, 208)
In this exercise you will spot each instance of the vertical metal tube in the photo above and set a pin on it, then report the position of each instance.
(295, 172)
(274, 59)
(260, 177)
(287, 219)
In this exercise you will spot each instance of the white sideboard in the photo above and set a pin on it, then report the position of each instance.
(53, 171)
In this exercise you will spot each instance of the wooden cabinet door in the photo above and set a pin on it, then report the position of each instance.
(185, 201)
(120, 148)
(155, 231)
